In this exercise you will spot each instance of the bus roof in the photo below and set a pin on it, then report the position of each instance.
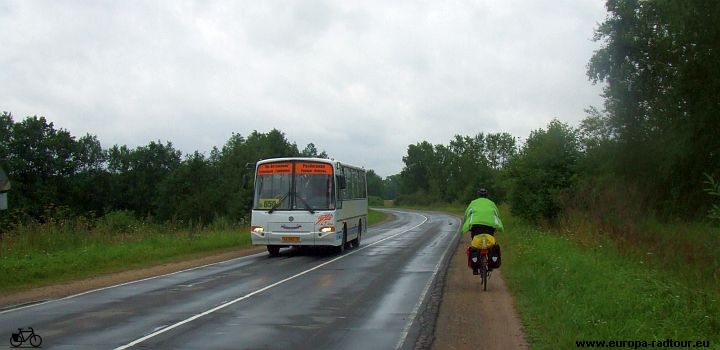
(308, 159)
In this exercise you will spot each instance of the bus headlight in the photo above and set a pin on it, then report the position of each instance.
(327, 229)
(257, 229)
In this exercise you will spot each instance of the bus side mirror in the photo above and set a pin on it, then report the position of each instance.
(245, 177)
(341, 182)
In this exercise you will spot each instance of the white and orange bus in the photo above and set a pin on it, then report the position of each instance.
(308, 202)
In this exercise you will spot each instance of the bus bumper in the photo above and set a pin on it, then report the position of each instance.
(297, 238)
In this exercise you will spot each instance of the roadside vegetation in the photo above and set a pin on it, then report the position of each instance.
(54, 252)
(574, 282)
(569, 288)
(43, 254)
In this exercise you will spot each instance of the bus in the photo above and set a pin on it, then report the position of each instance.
(308, 202)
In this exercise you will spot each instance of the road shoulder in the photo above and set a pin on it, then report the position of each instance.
(468, 315)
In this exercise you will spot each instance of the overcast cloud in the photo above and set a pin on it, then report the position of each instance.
(360, 79)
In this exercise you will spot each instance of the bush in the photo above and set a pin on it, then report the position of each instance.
(713, 189)
(375, 201)
(421, 198)
(543, 171)
(119, 221)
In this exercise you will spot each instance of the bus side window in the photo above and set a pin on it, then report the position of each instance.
(341, 190)
(329, 195)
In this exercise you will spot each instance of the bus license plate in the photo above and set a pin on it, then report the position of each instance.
(291, 239)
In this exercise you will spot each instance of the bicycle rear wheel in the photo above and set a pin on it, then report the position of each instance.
(484, 271)
(15, 342)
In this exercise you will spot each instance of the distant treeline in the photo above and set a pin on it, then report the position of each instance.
(56, 176)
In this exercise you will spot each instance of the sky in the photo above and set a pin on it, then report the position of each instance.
(362, 80)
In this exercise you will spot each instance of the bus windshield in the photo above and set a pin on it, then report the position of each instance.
(294, 186)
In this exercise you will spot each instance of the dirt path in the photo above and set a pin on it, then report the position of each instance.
(468, 314)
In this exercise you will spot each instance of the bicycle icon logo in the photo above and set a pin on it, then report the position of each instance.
(19, 338)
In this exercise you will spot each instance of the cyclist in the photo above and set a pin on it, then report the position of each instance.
(483, 216)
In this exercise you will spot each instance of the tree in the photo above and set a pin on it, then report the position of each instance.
(469, 166)
(391, 186)
(544, 168)
(137, 173)
(187, 193)
(312, 152)
(42, 161)
(418, 163)
(237, 159)
(500, 147)
(374, 184)
(659, 60)
(441, 174)
(6, 126)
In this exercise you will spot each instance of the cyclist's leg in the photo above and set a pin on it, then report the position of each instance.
(473, 232)
(490, 231)
(477, 260)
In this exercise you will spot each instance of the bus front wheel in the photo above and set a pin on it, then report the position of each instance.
(343, 244)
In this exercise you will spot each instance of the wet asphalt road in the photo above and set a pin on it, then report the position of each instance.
(371, 297)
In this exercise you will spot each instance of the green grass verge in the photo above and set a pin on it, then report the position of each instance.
(567, 292)
(26, 268)
(375, 217)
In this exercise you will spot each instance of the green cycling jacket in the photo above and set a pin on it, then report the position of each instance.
(482, 211)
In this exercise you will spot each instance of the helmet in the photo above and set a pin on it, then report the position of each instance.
(482, 193)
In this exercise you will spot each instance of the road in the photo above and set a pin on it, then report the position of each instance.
(368, 298)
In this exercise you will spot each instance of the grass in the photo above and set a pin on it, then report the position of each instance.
(375, 217)
(62, 251)
(39, 263)
(568, 290)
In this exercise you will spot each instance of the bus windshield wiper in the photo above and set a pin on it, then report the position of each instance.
(278, 203)
(307, 205)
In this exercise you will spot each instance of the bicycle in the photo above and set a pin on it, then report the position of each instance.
(18, 339)
(481, 245)
(481, 258)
